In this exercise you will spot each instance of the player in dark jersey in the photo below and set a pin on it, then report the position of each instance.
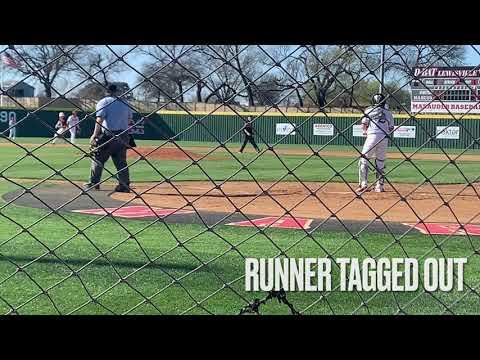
(249, 135)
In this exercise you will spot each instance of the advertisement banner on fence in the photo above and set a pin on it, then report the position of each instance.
(323, 129)
(285, 129)
(447, 132)
(407, 132)
(357, 131)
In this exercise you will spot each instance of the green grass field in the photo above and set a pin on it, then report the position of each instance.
(220, 165)
(104, 270)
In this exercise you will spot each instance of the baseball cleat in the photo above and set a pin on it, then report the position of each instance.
(122, 189)
(379, 189)
(91, 186)
(361, 189)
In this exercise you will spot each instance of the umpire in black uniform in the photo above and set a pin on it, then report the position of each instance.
(111, 139)
(248, 131)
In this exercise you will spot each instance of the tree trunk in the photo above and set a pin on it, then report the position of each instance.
(321, 97)
(48, 90)
(251, 99)
(299, 96)
(199, 92)
(180, 91)
(246, 83)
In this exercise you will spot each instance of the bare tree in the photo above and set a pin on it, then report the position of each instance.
(158, 86)
(286, 72)
(267, 92)
(175, 66)
(402, 59)
(224, 86)
(358, 65)
(47, 63)
(92, 90)
(237, 66)
(100, 64)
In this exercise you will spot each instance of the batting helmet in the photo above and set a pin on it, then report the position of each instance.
(378, 100)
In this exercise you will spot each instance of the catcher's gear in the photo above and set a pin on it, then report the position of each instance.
(379, 100)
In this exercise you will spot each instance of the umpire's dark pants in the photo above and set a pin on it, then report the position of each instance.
(117, 149)
(252, 141)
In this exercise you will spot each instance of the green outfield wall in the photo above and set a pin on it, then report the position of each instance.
(334, 128)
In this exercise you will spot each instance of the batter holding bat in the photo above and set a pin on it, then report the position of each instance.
(377, 123)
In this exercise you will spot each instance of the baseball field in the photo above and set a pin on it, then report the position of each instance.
(57, 260)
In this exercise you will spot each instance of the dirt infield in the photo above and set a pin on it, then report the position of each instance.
(151, 153)
(442, 203)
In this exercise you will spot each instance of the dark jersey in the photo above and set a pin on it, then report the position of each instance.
(248, 130)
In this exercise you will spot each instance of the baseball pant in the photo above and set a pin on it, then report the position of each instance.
(13, 133)
(117, 149)
(252, 141)
(58, 133)
(375, 147)
(73, 134)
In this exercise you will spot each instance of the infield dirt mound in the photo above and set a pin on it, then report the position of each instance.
(442, 203)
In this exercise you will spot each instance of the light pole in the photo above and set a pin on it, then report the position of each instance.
(382, 70)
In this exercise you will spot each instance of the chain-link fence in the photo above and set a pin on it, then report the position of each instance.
(168, 227)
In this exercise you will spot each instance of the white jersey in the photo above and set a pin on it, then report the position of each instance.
(73, 121)
(379, 120)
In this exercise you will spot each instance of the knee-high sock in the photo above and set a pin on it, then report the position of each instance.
(379, 171)
(363, 171)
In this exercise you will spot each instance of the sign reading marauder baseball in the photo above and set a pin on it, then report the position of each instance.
(446, 90)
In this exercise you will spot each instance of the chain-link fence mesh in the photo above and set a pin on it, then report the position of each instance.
(197, 206)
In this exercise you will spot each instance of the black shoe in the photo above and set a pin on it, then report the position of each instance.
(91, 186)
(122, 189)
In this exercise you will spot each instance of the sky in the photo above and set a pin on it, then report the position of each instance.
(136, 60)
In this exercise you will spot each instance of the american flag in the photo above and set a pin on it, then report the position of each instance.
(8, 60)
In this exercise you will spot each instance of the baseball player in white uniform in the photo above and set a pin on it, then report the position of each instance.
(61, 127)
(377, 123)
(12, 123)
(73, 125)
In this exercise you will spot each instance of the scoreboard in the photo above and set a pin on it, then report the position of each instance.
(446, 90)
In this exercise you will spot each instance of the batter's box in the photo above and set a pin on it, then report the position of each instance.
(286, 222)
(131, 212)
(446, 229)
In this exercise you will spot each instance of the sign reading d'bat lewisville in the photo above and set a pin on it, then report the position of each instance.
(445, 90)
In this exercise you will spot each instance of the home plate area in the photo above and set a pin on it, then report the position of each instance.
(283, 222)
(286, 222)
(446, 229)
(133, 212)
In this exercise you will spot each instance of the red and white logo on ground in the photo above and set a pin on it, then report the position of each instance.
(446, 229)
(286, 222)
(135, 211)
